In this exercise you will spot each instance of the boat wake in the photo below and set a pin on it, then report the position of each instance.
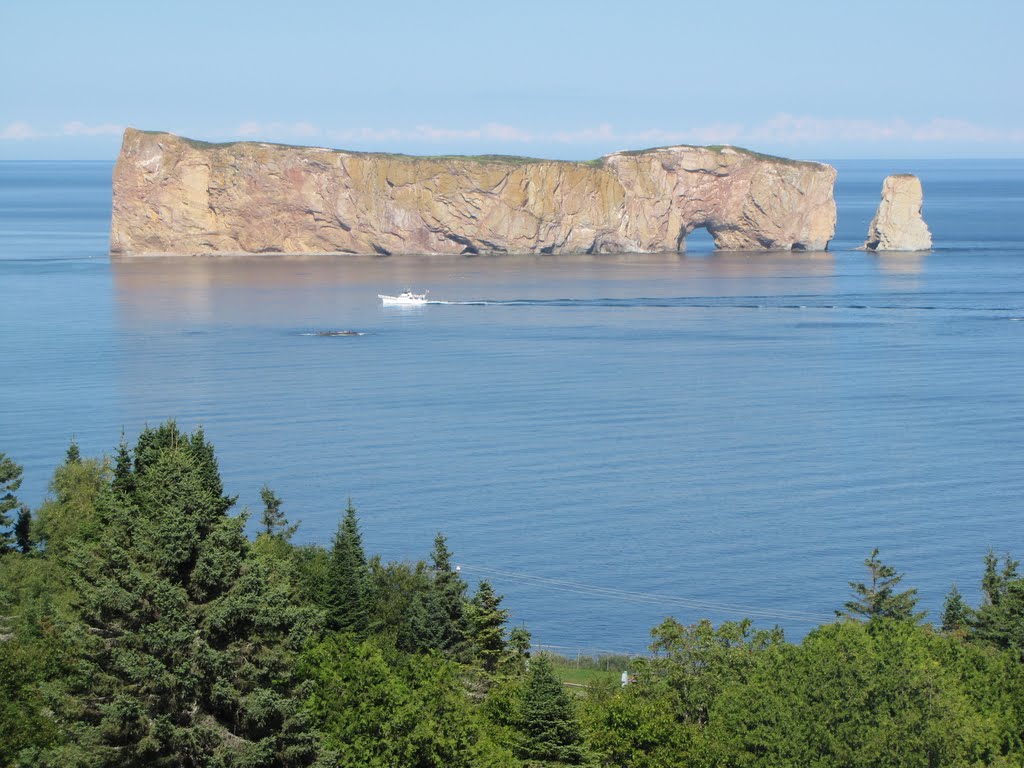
(731, 302)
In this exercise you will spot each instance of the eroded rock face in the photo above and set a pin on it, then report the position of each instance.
(898, 225)
(177, 196)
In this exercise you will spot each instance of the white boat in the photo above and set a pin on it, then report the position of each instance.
(404, 299)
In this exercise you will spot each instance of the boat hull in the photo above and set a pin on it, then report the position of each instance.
(407, 298)
(402, 301)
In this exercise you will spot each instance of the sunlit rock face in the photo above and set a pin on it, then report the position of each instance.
(177, 196)
(898, 225)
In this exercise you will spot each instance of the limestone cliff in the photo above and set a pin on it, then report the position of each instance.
(177, 196)
(898, 225)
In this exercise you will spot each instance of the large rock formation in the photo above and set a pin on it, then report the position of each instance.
(173, 195)
(898, 225)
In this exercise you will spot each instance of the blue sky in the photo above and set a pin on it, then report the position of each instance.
(826, 79)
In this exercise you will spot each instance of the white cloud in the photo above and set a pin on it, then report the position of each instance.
(18, 130)
(944, 129)
(779, 129)
(785, 128)
(430, 133)
(272, 131)
(505, 133)
(77, 128)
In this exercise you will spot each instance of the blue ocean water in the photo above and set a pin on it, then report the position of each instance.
(610, 440)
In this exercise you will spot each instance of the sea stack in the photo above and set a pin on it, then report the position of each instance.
(898, 225)
(172, 195)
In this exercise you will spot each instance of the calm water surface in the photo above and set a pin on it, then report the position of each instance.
(610, 440)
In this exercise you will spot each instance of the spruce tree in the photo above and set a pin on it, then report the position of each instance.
(412, 634)
(73, 455)
(69, 513)
(10, 482)
(153, 441)
(995, 580)
(487, 626)
(547, 718)
(273, 520)
(23, 530)
(347, 608)
(956, 614)
(1000, 618)
(447, 624)
(878, 599)
(124, 474)
(519, 643)
(188, 644)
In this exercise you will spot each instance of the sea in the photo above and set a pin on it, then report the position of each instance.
(609, 440)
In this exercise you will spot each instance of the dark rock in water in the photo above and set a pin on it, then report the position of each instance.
(339, 333)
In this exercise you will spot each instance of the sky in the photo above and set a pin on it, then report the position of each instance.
(811, 79)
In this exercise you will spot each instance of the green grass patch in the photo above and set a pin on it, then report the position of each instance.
(720, 148)
(514, 160)
(589, 671)
(588, 677)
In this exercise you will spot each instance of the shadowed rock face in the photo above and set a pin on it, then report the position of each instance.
(176, 196)
(898, 225)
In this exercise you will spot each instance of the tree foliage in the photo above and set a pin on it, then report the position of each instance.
(23, 530)
(853, 695)
(273, 521)
(956, 613)
(446, 620)
(10, 482)
(878, 598)
(376, 710)
(487, 626)
(347, 608)
(139, 626)
(187, 641)
(547, 721)
(999, 619)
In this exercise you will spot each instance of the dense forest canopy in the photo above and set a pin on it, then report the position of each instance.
(141, 626)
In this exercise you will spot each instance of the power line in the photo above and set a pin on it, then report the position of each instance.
(653, 598)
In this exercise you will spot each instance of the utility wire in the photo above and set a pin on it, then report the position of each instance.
(801, 617)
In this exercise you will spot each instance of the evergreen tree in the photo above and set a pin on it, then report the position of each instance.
(23, 530)
(347, 608)
(519, 642)
(273, 519)
(547, 719)
(186, 657)
(699, 660)
(487, 626)
(956, 614)
(413, 633)
(397, 596)
(68, 515)
(206, 463)
(447, 624)
(994, 582)
(153, 441)
(73, 455)
(10, 482)
(378, 710)
(1000, 618)
(862, 695)
(879, 600)
(124, 475)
